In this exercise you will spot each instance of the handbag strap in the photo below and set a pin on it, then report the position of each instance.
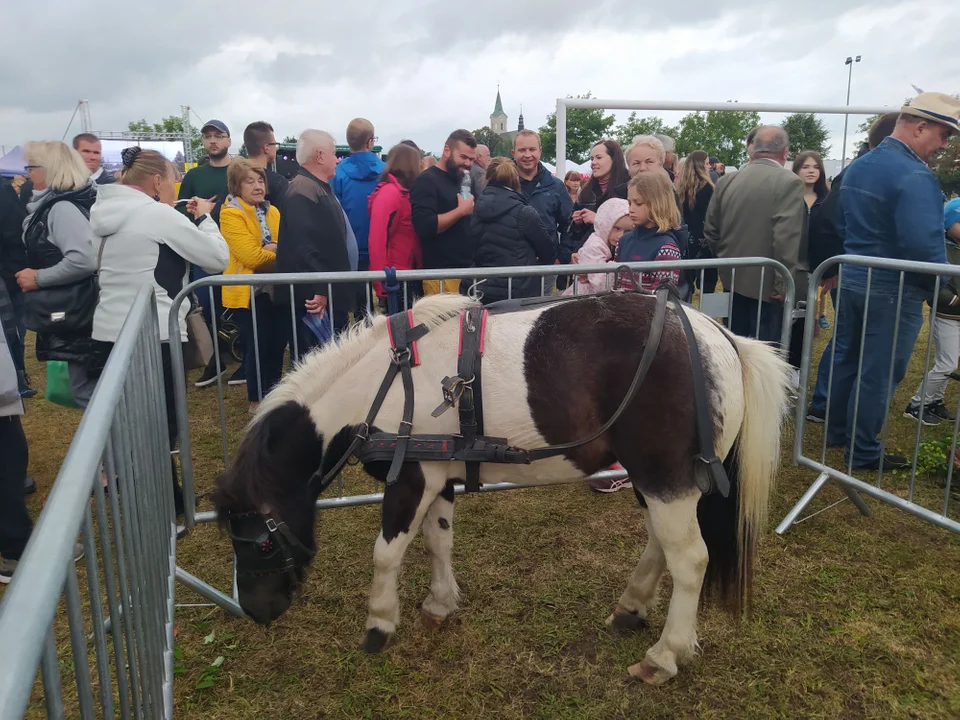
(100, 253)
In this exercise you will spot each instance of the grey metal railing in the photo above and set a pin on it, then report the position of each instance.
(719, 305)
(880, 313)
(129, 543)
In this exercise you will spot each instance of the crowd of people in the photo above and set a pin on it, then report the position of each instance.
(77, 244)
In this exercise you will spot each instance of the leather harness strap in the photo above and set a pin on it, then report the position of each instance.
(716, 474)
(464, 390)
(473, 322)
(403, 354)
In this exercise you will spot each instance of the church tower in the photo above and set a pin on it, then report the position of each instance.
(498, 118)
(520, 121)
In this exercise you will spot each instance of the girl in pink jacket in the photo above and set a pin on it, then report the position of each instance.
(612, 222)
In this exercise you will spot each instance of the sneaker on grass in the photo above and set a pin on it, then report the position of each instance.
(210, 374)
(611, 486)
(9, 567)
(239, 377)
(927, 418)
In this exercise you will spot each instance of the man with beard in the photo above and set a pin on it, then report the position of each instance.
(209, 181)
(545, 193)
(440, 211)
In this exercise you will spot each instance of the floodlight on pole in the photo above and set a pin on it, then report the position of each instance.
(846, 118)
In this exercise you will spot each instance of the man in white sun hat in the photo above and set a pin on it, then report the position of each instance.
(892, 208)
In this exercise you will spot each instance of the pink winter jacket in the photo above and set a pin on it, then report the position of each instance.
(596, 251)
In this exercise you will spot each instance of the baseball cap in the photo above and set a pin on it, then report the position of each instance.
(951, 213)
(713, 160)
(218, 125)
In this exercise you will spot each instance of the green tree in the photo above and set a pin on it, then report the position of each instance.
(864, 127)
(172, 124)
(499, 145)
(807, 132)
(289, 139)
(584, 129)
(625, 133)
(947, 168)
(721, 133)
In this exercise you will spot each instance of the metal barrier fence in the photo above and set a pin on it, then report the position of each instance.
(719, 305)
(879, 311)
(129, 545)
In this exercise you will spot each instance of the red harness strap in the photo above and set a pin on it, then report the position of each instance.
(414, 353)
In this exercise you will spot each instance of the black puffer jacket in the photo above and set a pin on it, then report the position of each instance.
(508, 233)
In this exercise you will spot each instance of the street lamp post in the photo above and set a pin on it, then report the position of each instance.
(846, 118)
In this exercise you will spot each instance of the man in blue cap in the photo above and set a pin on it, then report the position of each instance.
(209, 180)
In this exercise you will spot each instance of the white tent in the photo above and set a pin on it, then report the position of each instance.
(12, 163)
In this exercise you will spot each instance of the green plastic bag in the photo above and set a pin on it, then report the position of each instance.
(58, 384)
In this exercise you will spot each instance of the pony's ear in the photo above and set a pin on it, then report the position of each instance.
(280, 452)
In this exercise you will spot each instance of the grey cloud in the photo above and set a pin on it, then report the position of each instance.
(132, 61)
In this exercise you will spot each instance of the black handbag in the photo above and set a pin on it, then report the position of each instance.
(62, 308)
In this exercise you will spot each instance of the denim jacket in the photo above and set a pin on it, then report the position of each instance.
(892, 208)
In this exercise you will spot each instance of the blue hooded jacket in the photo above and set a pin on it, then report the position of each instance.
(357, 176)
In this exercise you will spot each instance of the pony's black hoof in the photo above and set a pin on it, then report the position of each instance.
(375, 641)
(623, 621)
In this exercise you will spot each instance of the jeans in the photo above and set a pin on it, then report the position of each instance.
(879, 319)
(272, 333)
(743, 320)
(15, 524)
(946, 338)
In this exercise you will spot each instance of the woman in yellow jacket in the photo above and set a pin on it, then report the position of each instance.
(250, 225)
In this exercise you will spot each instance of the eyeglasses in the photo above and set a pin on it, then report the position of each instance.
(28, 168)
(273, 144)
(217, 136)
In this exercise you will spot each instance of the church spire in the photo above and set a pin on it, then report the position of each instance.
(498, 108)
(520, 122)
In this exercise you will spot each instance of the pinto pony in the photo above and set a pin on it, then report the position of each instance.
(551, 374)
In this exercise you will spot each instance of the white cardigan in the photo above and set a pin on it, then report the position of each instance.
(145, 241)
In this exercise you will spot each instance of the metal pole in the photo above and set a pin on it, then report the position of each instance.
(846, 117)
(561, 137)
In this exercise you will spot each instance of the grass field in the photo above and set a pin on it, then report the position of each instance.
(854, 617)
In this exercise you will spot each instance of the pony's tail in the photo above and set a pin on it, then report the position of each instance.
(731, 526)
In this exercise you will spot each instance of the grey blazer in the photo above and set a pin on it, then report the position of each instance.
(759, 212)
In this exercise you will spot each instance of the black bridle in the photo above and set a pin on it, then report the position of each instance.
(266, 545)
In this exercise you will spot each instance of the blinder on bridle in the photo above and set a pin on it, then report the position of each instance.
(265, 546)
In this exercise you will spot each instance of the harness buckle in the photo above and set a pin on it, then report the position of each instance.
(452, 388)
(401, 356)
(363, 433)
(271, 524)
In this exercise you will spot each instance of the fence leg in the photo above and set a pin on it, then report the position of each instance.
(50, 676)
(801, 505)
(857, 500)
(209, 592)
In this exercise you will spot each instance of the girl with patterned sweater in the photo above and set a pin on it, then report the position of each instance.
(659, 233)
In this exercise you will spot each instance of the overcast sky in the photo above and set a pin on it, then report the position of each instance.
(420, 68)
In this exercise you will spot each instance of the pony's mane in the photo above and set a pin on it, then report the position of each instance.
(318, 370)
